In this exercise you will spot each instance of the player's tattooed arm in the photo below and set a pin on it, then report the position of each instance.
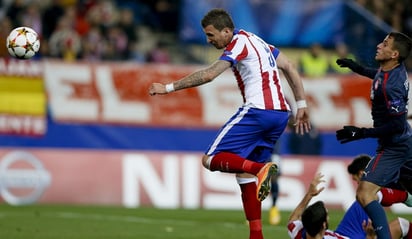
(202, 76)
(195, 79)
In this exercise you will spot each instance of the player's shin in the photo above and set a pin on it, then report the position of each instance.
(252, 207)
(377, 214)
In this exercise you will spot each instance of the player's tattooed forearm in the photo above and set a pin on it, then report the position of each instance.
(203, 76)
(194, 79)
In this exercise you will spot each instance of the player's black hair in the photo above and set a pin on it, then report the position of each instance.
(358, 164)
(314, 217)
(219, 18)
(402, 43)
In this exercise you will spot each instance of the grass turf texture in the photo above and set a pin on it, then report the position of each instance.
(88, 222)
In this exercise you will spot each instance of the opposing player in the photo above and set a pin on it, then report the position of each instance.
(246, 141)
(350, 225)
(389, 96)
(312, 221)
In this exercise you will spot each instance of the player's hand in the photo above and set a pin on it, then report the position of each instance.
(314, 188)
(349, 63)
(157, 89)
(368, 228)
(349, 133)
(345, 62)
(302, 121)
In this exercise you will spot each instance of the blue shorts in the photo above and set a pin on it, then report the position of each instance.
(251, 133)
(351, 223)
(389, 164)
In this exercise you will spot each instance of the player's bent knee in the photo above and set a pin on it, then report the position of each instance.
(363, 198)
(206, 161)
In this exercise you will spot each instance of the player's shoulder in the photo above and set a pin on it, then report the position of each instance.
(241, 37)
(399, 71)
(242, 32)
(244, 35)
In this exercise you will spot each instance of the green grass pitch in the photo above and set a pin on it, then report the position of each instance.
(89, 222)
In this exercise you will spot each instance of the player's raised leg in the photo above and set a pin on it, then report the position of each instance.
(232, 163)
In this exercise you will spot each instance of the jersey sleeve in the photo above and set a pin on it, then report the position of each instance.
(275, 51)
(397, 104)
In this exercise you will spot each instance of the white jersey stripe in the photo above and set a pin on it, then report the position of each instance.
(226, 128)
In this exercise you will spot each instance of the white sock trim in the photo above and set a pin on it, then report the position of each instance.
(208, 161)
(245, 180)
(404, 225)
(380, 196)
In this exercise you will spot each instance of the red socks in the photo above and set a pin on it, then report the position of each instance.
(232, 163)
(253, 210)
(391, 196)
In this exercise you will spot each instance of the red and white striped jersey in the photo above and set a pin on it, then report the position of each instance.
(296, 231)
(256, 71)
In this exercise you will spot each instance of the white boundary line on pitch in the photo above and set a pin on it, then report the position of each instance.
(135, 219)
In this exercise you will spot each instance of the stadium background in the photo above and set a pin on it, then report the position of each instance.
(78, 127)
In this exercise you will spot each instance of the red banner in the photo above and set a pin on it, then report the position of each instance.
(117, 93)
(164, 180)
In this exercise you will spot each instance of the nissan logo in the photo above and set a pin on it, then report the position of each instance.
(35, 179)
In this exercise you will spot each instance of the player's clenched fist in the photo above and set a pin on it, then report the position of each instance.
(157, 88)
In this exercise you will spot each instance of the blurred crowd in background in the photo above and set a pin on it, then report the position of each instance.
(144, 30)
(94, 29)
(396, 13)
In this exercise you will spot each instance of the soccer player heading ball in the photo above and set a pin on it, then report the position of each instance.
(245, 143)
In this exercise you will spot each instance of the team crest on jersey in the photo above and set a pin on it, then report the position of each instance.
(372, 95)
(375, 86)
(377, 83)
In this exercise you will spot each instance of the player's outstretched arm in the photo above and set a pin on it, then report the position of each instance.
(350, 133)
(313, 191)
(302, 120)
(195, 79)
(357, 68)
